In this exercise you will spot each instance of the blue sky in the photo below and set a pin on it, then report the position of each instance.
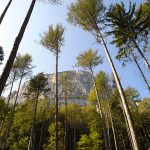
(76, 40)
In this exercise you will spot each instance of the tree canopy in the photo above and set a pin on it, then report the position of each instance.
(53, 39)
(89, 59)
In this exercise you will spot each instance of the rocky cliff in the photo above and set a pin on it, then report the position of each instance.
(80, 85)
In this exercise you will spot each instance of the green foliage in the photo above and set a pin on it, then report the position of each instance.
(23, 64)
(37, 85)
(51, 140)
(84, 143)
(132, 93)
(144, 106)
(20, 133)
(22, 144)
(88, 14)
(91, 142)
(89, 59)
(103, 84)
(84, 127)
(145, 10)
(2, 107)
(127, 25)
(92, 96)
(75, 115)
(85, 120)
(96, 142)
(53, 39)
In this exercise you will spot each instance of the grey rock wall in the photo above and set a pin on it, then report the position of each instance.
(80, 85)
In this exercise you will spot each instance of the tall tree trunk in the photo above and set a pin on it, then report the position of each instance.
(101, 113)
(142, 55)
(112, 123)
(66, 114)
(4, 12)
(108, 133)
(127, 126)
(13, 53)
(31, 140)
(56, 105)
(142, 73)
(41, 136)
(107, 126)
(74, 138)
(7, 105)
(121, 92)
(11, 117)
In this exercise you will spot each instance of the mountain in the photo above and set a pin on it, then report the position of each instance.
(80, 85)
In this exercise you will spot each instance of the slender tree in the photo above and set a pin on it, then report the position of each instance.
(88, 60)
(36, 87)
(24, 66)
(90, 16)
(103, 82)
(67, 89)
(17, 42)
(104, 88)
(14, 75)
(65, 83)
(129, 27)
(53, 40)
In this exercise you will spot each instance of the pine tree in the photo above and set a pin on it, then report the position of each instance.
(129, 28)
(24, 66)
(53, 40)
(90, 16)
(36, 87)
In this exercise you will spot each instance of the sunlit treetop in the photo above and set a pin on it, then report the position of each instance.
(24, 64)
(89, 59)
(88, 14)
(53, 39)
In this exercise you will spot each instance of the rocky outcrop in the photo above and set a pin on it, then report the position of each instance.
(80, 85)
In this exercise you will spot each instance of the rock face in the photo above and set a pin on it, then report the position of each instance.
(80, 85)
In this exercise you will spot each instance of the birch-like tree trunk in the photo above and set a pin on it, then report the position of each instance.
(106, 140)
(121, 92)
